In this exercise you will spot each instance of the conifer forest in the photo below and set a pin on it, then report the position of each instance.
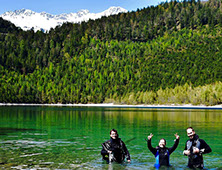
(164, 54)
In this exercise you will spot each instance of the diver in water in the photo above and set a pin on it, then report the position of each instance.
(114, 150)
(194, 149)
(161, 152)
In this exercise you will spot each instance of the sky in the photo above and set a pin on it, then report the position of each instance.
(67, 6)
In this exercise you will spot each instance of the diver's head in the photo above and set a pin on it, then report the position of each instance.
(190, 132)
(114, 134)
(162, 143)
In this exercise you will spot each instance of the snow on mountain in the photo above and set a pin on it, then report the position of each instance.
(27, 19)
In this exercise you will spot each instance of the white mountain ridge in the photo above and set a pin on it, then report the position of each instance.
(27, 19)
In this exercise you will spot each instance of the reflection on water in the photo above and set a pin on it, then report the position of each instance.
(71, 137)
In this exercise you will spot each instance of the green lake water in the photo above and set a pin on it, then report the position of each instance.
(41, 137)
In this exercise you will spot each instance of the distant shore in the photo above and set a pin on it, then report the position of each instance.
(172, 106)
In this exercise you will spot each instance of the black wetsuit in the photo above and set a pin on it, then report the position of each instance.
(162, 154)
(196, 160)
(118, 149)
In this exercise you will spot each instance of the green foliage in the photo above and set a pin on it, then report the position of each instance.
(186, 94)
(135, 57)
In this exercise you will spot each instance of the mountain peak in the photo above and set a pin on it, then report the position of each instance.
(114, 10)
(84, 11)
(27, 19)
(117, 9)
(23, 11)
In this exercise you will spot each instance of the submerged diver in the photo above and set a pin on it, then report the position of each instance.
(161, 152)
(194, 149)
(114, 150)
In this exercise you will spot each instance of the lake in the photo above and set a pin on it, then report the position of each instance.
(50, 137)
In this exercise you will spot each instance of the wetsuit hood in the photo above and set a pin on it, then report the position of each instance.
(195, 137)
(114, 140)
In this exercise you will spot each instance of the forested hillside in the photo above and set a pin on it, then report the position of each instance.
(170, 53)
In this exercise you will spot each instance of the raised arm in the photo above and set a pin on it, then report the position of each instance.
(149, 145)
(173, 148)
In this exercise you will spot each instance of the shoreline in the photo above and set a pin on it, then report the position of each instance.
(112, 105)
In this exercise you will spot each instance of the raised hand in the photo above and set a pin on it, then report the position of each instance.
(177, 136)
(150, 136)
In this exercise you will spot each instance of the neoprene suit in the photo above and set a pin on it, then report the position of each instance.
(162, 155)
(118, 149)
(196, 160)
